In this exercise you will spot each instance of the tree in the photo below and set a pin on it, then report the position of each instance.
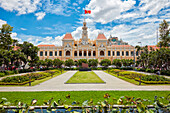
(92, 62)
(164, 34)
(105, 62)
(31, 53)
(48, 62)
(58, 63)
(117, 63)
(80, 61)
(69, 63)
(5, 38)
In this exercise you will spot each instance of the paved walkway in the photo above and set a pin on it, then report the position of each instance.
(112, 83)
(19, 74)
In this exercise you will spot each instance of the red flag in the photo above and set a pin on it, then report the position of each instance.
(87, 11)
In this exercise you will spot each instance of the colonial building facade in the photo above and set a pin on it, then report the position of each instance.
(101, 48)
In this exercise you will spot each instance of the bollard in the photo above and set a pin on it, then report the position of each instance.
(29, 80)
(139, 80)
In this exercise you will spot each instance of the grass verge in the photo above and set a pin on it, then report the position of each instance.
(85, 77)
(80, 96)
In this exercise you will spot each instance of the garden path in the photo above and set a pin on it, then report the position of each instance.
(112, 83)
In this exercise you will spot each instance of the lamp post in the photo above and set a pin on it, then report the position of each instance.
(140, 43)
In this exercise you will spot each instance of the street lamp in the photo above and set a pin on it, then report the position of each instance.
(140, 43)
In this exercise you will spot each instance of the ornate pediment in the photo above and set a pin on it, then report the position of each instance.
(67, 45)
(102, 45)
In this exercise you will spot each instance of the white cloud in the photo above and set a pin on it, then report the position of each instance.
(2, 22)
(153, 6)
(40, 15)
(20, 6)
(14, 36)
(105, 11)
(23, 29)
(75, 4)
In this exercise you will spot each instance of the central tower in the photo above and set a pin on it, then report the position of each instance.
(84, 33)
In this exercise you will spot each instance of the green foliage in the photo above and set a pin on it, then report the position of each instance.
(5, 38)
(69, 62)
(48, 62)
(2, 74)
(117, 62)
(164, 34)
(126, 104)
(21, 80)
(105, 62)
(154, 78)
(80, 61)
(148, 79)
(92, 62)
(58, 63)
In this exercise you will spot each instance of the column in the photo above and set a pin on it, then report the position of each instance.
(87, 53)
(91, 53)
(77, 53)
(47, 52)
(71, 53)
(82, 53)
(57, 52)
(53, 53)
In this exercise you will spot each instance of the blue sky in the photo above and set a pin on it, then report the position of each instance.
(46, 21)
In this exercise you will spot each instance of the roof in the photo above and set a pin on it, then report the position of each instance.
(153, 47)
(45, 45)
(16, 48)
(121, 46)
(101, 37)
(68, 36)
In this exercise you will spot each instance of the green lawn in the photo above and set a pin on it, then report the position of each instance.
(80, 96)
(85, 77)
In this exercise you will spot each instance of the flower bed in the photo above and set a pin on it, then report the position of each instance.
(147, 79)
(24, 79)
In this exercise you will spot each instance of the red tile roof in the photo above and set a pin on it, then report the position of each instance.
(16, 48)
(121, 46)
(101, 37)
(45, 45)
(68, 36)
(153, 47)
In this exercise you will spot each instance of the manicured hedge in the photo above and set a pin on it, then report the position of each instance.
(148, 79)
(21, 80)
(2, 74)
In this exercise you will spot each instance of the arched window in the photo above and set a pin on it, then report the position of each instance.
(118, 53)
(41, 53)
(94, 53)
(101, 53)
(89, 53)
(75, 53)
(67, 53)
(51, 53)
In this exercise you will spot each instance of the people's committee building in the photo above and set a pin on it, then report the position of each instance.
(101, 48)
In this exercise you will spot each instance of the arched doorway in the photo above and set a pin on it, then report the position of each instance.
(101, 53)
(67, 53)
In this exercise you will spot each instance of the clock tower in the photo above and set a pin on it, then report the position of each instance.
(84, 33)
